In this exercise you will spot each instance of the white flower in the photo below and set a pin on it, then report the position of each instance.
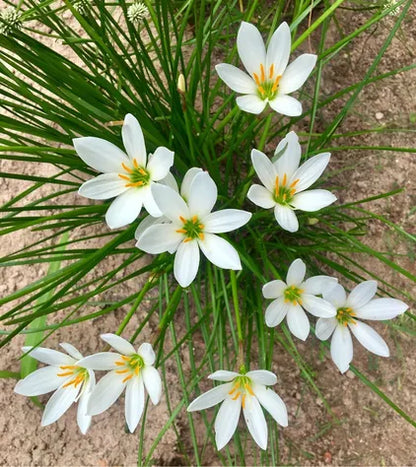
(132, 371)
(295, 296)
(285, 182)
(269, 79)
(82, 6)
(129, 177)
(9, 20)
(70, 380)
(242, 390)
(136, 12)
(359, 305)
(193, 226)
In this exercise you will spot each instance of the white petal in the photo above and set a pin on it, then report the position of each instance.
(262, 377)
(298, 322)
(369, 338)
(288, 162)
(118, 343)
(381, 309)
(124, 209)
(100, 154)
(261, 196)
(225, 220)
(296, 272)
(223, 375)
(149, 202)
(153, 383)
(313, 200)
(40, 382)
(159, 238)
(256, 423)
(264, 169)
(49, 356)
(134, 405)
(286, 218)
(133, 140)
(84, 420)
(286, 105)
(160, 163)
(147, 222)
(71, 350)
(220, 252)
(311, 170)
(251, 103)
(202, 195)
(297, 73)
(170, 181)
(272, 403)
(318, 306)
(318, 284)
(104, 186)
(278, 50)
(325, 327)
(341, 348)
(105, 393)
(250, 47)
(147, 353)
(226, 421)
(170, 202)
(59, 403)
(236, 79)
(273, 289)
(187, 181)
(361, 294)
(100, 361)
(335, 295)
(276, 312)
(186, 263)
(210, 398)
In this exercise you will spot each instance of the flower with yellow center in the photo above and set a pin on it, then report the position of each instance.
(192, 227)
(351, 309)
(285, 183)
(127, 177)
(293, 297)
(130, 370)
(248, 391)
(70, 380)
(269, 79)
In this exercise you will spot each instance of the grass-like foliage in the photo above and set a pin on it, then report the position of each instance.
(112, 66)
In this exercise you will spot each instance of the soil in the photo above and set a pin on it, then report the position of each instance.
(362, 429)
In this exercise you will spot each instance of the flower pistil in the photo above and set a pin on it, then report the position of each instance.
(345, 316)
(283, 194)
(136, 176)
(241, 386)
(192, 228)
(80, 374)
(131, 366)
(293, 294)
(266, 86)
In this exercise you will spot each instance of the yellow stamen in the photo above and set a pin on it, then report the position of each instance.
(181, 231)
(276, 83)
(124, 177)
(271, 71)
(127, 377)
(232, 390)
(194, 219)
(201, 226)
(120, 372)
(201, 235)
(68, 373)
(67, 367)
(263, 75)
(182, 219)
(135, 184)
(294, 183)
(256, 79)
(127, 169)
(248, 389)
(136, 165)
(125, 358)
(236, 396)
(136, 370)
(261, 89)
(120, 363)
(187, 240)
(284, 180)
(69, 383)
(243, 401)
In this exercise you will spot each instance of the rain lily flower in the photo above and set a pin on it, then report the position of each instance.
(294, 296)
(128, 177)
(249, 391)
(193, 226)
(285, 182)
(70, 380)
(131, 370)
(269, 79)
(351, 309)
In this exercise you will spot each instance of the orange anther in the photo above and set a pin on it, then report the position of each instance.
(127, 377)
(236, 396)
(243, 401)
(201, 236)
(187, 240)
(284, 180)
(276, 84)
(67, 367)
(182, 219)
(194, 219)
(232, 390)
(68, 373)
(127, 169)
(181, 231)
(271, 71)
(135, 163)
(263, 75)
(294, 183)
(136, 370)
(124, 177)
(119, 363)
(248, 389)
(125, 358)
(261, 89)
(256, 79)
(120, 372)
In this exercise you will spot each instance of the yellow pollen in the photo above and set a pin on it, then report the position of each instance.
(271, 71)
(127, 377)
(236, 396)
(136, 370)
(182, 219)
(142, 171)
(276, 83)
(284, 196)
(135, 184)
(181, 231)
(201, 235)
(120, 372)
(194, 219)
(187, 240)
(125, 358)
(124, 177)
(127, 169)
(263, 76)
(67, 367)
(284, 180)
(292, 192)
(256, 79)
(243, 401)
(136, 165)
(261, 89)
(248, 389)
(232, 390)
(68, 373)
(294, 183)
(119, 363)
(201, 226)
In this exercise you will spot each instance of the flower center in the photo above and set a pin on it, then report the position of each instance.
(293, 294)
(241, 386)
(345, 315)
(136, 176)
(130, 365)
(283, 194)
(79, 374)
(267, 86)
(192, 228)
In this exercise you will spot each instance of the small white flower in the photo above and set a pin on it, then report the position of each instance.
(295, 296)
(70, 380)
(82, 6)
(131, 370)
(9, 20)
(285, 182)
(136, 12)
(269, 79)
(242, 390)
(193, 226)
(129, 177)
(351, 309)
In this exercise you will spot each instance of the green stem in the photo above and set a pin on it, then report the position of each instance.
(240, 361)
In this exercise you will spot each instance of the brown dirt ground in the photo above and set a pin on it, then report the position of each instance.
(367, 431)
